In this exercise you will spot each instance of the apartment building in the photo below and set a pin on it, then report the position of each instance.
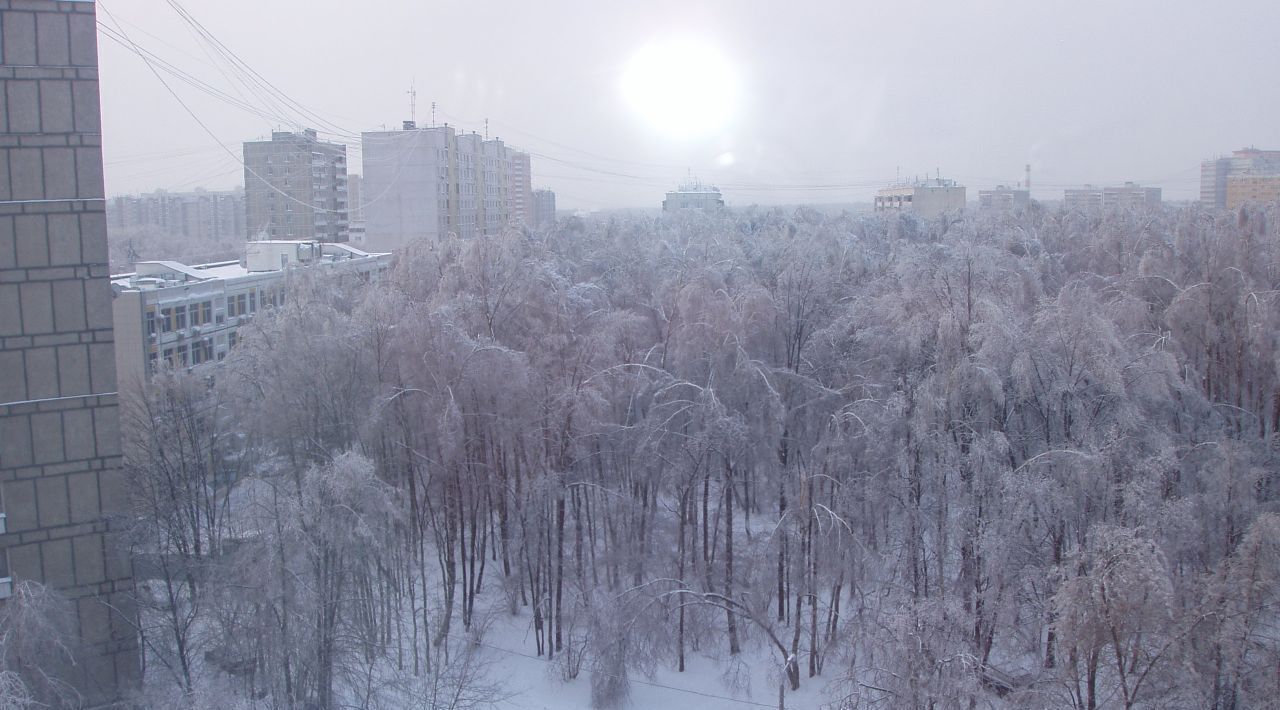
(295, 187)
(1255, 189)
(171, 315)
(1127, 196)
(426, 182)
(927, 198)
(1216, 173)
(61, 483)
(202, 214)
(544, 208)
(1004, 198)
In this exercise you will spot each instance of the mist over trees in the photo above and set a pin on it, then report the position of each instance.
(995, 460)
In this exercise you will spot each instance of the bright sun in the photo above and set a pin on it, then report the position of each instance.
(681, 87)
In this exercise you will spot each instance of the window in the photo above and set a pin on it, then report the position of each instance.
(151, 321)
(152, 362)
(166, 319)
(253, 301)
(168, 357)
(181, 312)
(206, 349)
(6, 581)
(231, 339)
(206, 312)
(183, 356)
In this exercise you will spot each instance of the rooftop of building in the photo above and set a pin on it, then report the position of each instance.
(695, 186)
(261, 257)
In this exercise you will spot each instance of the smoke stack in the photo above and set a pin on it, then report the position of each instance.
(1028, 183)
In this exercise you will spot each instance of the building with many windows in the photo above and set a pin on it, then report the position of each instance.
(544, 208)
(927, 198)
(1257, 189)
(1216, 173)
(202, 215)
(62, 488)
(168, 314)
(426, 182)
(1004, 198)
(1127, 196)
(295, 187)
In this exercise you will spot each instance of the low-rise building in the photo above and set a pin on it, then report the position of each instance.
(169, 314)
(1127, 196)
(1004, 198)
(693, 195)
(927, 198)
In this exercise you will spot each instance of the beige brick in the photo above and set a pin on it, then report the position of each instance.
(20, 505)
(106, 427)
(42, 373)
(60, 174)
(13, 387)
(113, 490)
(26, 174)
(10, 311)
(8, 254)
(68, 306)
(24, 562)
(73, 372)
(58, 569)
(77, 430)
(64, 239)
(89, 172)
(15, 442)
(84, 45)
(51, 496)
(23, 99)
(51, 39)
(37, 308)
(90, 566)
(82, 490)
(46, 437)
(19, 39)
(32, 245)
(98, 300)
(88, 114)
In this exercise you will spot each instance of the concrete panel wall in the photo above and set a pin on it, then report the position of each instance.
(60, 478)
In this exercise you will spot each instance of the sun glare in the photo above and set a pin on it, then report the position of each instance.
(681, 87)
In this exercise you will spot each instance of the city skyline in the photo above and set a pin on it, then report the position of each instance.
(976, 91)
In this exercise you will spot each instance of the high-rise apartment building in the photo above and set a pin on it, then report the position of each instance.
(520, 190)
(295, 187)
(1216, 173)
(544, 208)
(1258, 189)
(61, 483)
(203, 214)
(425, 182)
(1004, 198)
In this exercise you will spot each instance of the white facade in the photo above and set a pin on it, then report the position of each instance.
(169, 314)
(423, 183)
(693, 195)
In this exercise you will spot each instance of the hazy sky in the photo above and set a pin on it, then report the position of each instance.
(832, 97)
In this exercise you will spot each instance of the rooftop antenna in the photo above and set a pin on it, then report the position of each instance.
(486, 129)
(413, 101)
(433, 114)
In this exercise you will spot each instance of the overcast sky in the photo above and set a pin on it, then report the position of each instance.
(834, 97)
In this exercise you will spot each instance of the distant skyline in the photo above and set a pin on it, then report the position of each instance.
(831, 100)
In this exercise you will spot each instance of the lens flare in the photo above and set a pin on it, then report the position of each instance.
(681, 87)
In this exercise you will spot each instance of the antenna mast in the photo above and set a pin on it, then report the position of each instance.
(413, 102)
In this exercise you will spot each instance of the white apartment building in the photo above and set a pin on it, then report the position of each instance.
(168, 314)
(426, 182)
(1127, 196)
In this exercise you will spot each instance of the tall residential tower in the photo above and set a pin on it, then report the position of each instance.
(295, 187)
